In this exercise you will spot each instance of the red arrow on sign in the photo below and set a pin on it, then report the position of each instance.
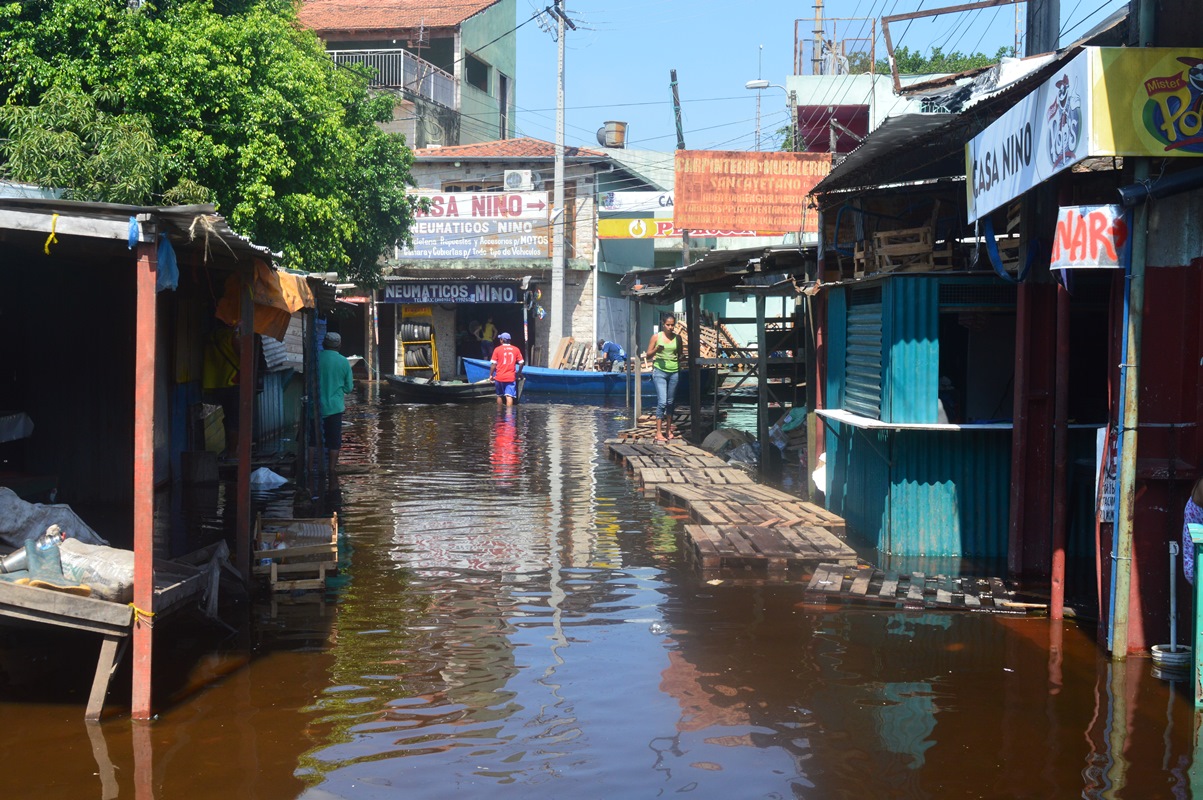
(540, 205)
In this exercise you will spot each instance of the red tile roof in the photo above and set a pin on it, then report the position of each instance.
(382, 15)
(506, 148)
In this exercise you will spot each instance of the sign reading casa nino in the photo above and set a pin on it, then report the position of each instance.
(737, 191)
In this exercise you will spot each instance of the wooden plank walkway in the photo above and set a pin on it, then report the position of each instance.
(912, 590)
(740, 524)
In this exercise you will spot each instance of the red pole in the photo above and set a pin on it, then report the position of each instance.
(1060, 449)
(246, 411)
(144, 478)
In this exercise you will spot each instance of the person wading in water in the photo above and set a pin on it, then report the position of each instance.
(664, 349)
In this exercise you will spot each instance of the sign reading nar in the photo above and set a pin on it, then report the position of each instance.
(738, 191)
(1092, 237)
(490, 225)
(1106, 101)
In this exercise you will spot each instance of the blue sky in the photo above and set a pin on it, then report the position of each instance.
(618, 62)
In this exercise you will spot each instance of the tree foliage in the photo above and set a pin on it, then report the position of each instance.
(914, 62)
(184, 101)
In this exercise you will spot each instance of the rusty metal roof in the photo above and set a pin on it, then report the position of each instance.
(329, 16)
(523, 148)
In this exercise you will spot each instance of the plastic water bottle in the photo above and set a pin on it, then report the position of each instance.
(53, 537)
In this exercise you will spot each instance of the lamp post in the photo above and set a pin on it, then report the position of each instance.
(792, 105)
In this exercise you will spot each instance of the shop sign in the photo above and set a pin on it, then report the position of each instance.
(1106, 101)
(488, 225)
(449, 292)
(1093, 237)
(626, 228)
(739, 191)
(1148, 101)
(1043, 134)
(659, 203)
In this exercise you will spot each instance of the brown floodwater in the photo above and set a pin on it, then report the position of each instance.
(516, 621)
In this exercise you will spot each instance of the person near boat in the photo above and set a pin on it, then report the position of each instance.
(505, 367)
(610, 356)
(664, 349)
(334, 381)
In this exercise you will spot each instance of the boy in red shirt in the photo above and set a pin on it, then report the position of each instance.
(504, 368)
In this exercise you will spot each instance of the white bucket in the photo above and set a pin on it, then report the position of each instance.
(1172, 657)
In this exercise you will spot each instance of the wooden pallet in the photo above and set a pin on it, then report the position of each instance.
(295, 553)
(905, 248)
(749, 504)
(650, 477)
(755, 547)
(913, 590)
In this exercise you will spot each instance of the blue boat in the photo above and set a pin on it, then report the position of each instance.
(541, 380)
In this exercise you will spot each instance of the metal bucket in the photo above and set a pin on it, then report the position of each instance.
(14, 561)
(1176, 658)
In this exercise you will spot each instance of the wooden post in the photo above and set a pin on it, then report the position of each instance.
(694, 323)
(144, 478)
(246, 427)
(762, 384)
(1060, 449)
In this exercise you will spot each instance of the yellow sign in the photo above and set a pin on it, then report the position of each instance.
(417, 311)
(1147, 101)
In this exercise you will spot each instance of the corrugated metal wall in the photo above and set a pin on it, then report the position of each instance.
(863, 362)
(912, 358)
(950, 494)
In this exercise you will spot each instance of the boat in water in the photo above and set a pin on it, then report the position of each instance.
(542, 380)
(424, 390)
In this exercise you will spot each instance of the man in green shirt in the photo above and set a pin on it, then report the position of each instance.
(334, 381)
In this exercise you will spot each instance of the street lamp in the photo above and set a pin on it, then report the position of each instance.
(762, 83)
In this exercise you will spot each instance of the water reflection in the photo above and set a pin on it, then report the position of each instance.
(516, 620)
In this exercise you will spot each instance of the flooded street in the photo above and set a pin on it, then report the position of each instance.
(517, 621)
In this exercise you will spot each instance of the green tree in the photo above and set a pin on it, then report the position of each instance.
(914, 62)
(187, 101)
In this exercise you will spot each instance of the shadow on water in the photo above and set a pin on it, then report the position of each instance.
(517, 621)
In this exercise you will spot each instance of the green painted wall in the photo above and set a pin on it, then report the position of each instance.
(480, 111)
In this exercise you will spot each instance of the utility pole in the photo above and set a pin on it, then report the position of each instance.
(1129, 415)
(555, 324)
(1043, 23)
(816, 58)
(672, 74)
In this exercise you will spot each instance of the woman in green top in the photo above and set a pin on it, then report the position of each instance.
(665, 351)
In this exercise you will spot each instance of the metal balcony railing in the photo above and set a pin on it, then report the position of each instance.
(400, 69)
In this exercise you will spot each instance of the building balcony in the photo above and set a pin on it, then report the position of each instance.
(402, 70)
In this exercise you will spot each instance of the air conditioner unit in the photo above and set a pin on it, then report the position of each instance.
(519, 180)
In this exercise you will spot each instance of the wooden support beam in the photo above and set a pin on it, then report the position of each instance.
(144, 478)
(693, 323)
(246, 428)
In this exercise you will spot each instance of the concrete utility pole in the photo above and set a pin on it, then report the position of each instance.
(1043, 27)
(672, 74)
(1129, 418)
(555, 321)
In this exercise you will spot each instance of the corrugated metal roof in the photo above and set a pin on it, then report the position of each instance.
(921, 149)
(189, 227)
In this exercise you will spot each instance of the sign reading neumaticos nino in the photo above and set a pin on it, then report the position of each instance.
(737, 191)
